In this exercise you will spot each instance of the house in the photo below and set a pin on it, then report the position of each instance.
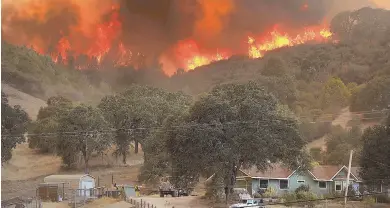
(322, 180)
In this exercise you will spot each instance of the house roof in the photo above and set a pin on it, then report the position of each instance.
(325, 172)
(275, 171)
(65, 177)
(355, 171)
(328, 172)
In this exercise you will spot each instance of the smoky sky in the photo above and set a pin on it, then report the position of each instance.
(160, 23)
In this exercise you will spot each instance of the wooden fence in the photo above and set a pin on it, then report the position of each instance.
(140, 204)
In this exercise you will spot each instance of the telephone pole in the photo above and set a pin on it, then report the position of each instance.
(349, 173)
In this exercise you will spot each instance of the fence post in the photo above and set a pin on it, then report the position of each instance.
(141, 203)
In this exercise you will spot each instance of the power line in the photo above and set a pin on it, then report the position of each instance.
(112, 130)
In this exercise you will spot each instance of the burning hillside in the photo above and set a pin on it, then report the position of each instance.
(178, 33)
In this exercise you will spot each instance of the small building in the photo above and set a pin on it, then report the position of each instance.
(82, 184)
(51, 191)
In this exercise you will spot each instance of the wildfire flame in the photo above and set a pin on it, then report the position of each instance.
(105, 43)
(277, 40)
(189, 52)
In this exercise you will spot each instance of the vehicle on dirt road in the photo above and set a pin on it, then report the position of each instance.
(167, 188)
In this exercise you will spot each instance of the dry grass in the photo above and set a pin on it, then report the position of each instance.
(100, 203)
(28, 103)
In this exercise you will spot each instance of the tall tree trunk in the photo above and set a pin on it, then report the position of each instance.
(136, 146)
(86, 166)
(124, 154)
(86, 160)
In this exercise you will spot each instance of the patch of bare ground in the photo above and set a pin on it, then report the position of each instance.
(27, 168)
(342, 120)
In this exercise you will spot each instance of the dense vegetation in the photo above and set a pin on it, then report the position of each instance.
(375, 158)
(14, 122)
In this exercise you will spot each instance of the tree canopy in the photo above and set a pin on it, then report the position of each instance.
(232, 127)
(47, 122)
(14, 123)
(375, 157)
(83, 131)
(135, 114)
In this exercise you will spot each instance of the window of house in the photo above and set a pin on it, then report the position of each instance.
(263, 184)
(322, 184)
(301, 181)
(338, 185)
(283, 184)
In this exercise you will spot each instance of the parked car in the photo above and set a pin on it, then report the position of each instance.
(248, 203)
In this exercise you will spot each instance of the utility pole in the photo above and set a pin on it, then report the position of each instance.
(349, 173)
(86, 154)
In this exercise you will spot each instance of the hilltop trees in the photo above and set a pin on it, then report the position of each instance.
(234, 126)
(335, 94)
(373, 96)
(14, 122)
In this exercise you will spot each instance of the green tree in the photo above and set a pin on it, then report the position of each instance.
(47, 122)
(335, 94)
(14, 122)
(373, 96)
(234, 126)
(340, 142)
(142, 108)
(83, 130)
(375, 157)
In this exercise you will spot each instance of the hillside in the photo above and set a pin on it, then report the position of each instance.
(28, 103)
(24, 69)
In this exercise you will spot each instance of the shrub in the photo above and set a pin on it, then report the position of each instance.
(383, 199)
(302, 188)
(269, 193)
(368, 201)
(294, 198)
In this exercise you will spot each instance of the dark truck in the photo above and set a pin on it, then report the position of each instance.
(167, 188)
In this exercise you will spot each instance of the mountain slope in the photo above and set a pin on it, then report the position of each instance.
(28, 103)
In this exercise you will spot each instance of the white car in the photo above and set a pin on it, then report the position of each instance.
(248, 203)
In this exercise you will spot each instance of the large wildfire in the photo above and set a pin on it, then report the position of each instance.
(92, 34)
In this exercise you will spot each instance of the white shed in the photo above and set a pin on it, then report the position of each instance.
(72, 182)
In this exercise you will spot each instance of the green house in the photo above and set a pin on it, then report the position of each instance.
(322, 180)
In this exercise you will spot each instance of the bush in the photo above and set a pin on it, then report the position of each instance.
(368, 201)
(383, 199)
(269, 193)
(302, 188)
(294, 198)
